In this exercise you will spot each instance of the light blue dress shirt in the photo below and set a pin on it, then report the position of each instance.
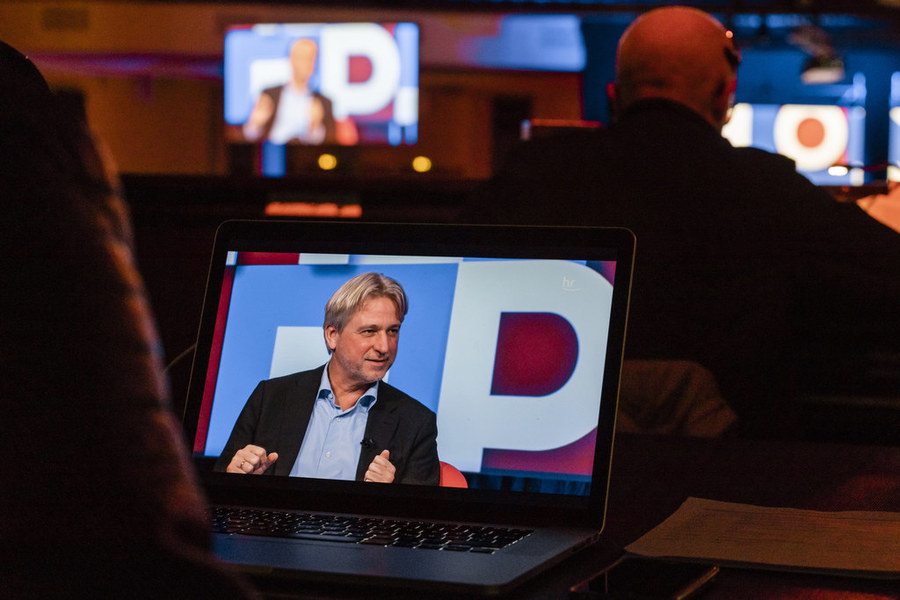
(332, 443)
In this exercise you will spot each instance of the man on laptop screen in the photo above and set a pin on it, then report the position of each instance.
(512, 352)
(293, 112)
(357, 427)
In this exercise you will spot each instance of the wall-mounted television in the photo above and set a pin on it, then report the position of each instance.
(321, 84)
(825, 141)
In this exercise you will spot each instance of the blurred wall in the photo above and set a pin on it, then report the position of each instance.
(150, 75)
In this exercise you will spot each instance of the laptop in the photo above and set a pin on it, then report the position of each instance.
(513, 340)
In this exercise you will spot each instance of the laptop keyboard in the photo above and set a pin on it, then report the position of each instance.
(364, 530)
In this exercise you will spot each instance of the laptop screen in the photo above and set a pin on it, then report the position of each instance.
(514, 344)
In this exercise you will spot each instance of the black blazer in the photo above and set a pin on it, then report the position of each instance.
(277, 414)
(327, 118)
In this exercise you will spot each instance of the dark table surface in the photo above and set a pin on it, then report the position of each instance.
(653, 475)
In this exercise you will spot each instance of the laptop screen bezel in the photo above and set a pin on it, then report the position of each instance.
(488, 241)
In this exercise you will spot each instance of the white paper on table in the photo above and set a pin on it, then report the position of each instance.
(859, 543)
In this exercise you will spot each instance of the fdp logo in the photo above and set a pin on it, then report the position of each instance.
(524, 362)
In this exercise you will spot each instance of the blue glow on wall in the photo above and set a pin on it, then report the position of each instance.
(532, 42)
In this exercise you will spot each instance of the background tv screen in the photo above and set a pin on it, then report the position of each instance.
(367, 72)
(818, 137)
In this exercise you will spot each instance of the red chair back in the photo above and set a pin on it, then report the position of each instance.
(452, 477)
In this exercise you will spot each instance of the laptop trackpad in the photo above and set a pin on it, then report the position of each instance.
(288, 554)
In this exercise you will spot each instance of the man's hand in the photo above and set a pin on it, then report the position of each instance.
(251, 460)
(316, 114)
(381, 470)
(259, 116)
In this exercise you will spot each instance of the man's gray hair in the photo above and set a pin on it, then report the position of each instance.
(351, 296)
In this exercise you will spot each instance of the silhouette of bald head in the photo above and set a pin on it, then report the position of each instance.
(681, 54)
